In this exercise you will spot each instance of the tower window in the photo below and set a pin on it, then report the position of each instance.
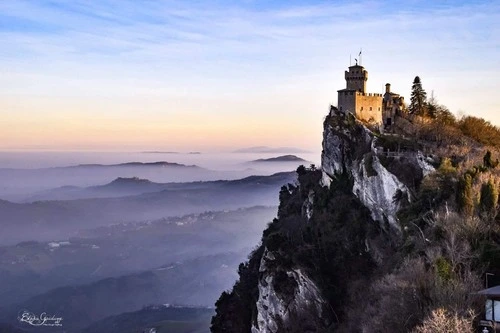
(370, 108)
(361, 109)
(340, 108)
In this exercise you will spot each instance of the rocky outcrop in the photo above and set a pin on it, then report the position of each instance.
(278, 312)
(350, 147)
(326, 235)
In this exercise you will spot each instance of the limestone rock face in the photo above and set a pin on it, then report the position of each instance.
(299, 309)
(350, 147)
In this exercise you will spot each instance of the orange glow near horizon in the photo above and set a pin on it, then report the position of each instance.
(86, 124)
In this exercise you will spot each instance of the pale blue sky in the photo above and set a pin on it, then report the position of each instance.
(218, 74)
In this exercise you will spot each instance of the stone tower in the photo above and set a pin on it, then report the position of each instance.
(356, 78)
(354, 98)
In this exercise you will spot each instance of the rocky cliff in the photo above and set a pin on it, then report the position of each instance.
(337, 230)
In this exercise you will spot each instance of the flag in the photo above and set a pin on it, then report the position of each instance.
(359, 53)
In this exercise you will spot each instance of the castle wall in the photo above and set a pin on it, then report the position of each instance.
(346, 101)
(369, 107)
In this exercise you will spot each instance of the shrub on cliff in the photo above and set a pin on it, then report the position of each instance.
(442, 321)
(465, 195)
(480, 130)
(489, 197)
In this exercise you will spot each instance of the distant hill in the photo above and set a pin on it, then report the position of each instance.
(161, 164)
(97, 206)
(197, 281)
(163, 318)
(265, 149)
(159, 152)
(283, 158)
(127, 186)
(135, 164)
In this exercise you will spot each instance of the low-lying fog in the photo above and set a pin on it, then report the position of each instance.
(23, 173)
(86, 236)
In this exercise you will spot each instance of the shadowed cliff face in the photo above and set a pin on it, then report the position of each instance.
(380, 176)
(334, 228)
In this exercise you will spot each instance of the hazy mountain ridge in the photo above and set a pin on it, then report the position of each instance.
(20, 184)
(265, 149)
(31, 268)
(59, 219)
(282, 158)
(117, 165)
(124, 186)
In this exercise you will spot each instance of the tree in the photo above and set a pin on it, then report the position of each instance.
(439, 112)
(489, 197)
(432, 106)
(465, 194)
(301, 170)
(446, 166)
(418, 98)
(480, 130)
(444, 116)
(488, 161)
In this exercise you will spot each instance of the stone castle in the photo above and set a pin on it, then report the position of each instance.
(369, 107)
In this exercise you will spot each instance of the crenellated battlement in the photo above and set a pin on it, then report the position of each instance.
(358, 93)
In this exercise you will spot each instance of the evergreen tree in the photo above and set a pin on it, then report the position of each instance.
(301, 170)
(446, 166)
(488, 161)
(432, 106)
(489, 197)
(418, 98)
(465, 195)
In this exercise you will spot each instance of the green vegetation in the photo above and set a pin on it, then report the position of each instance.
(446, 167)
(489, 197)
(444, 270)
(465, 195)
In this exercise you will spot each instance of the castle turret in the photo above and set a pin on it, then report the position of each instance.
(356, 78)
(387, 87)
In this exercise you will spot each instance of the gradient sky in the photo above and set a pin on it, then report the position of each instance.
(213, 75)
